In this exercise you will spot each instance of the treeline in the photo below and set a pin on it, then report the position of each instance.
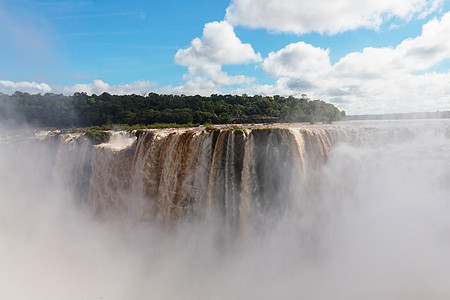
(82, 110)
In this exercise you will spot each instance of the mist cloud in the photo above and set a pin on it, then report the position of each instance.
(376, 225)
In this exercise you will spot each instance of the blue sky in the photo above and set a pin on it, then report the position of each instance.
(363, 56)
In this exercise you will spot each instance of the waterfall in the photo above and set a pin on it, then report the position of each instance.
(354, 210)
(243, 177)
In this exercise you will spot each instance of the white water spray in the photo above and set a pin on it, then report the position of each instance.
(348, 211)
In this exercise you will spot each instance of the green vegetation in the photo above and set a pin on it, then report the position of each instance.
(209, 127)
(161, 111)
(98, 136)
(235, 128)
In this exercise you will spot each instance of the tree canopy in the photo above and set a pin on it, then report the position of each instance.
(82, 110)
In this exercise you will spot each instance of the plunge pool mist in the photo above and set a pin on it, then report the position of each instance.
(357, 210)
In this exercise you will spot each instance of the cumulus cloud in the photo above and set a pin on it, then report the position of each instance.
(204, 58)
(97, 87)
(400, 78)
(220, 45)
(418, 54)
(195, 86)
(9, 87)
(295, 60)
(323, 16)
(395, 79)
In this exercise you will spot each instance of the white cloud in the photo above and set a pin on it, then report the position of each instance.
(195, 86)
(218, 45)
(204, 58)
(295, 60)
(214, 72)
(97, 87)
(9, 87)
(322, 15)
(374, 80)
(418, 54)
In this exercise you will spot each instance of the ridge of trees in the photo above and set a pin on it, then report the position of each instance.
(83, 110)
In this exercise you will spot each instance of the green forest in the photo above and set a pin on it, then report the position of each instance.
(83, 110)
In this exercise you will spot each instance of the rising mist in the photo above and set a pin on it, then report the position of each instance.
(355, 211)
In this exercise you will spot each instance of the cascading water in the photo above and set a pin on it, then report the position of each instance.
(357, 210)
(234, 175)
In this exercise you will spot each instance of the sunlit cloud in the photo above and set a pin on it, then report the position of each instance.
(399, 78)
(99, 87)
(324, 16)
(9, 87)
(204, 58)
(376, 79)
(96, 87)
